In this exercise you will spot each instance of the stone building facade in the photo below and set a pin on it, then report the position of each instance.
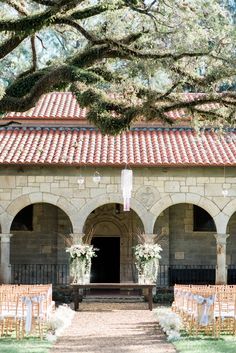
(162, 202)
(190, 203)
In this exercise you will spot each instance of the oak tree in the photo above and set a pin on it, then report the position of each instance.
(126, 60)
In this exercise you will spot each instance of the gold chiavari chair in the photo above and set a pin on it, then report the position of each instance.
(225, 311)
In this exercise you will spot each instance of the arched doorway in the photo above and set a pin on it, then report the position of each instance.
(106, 266)
(37, 252)
(189, 246)
(113, 233)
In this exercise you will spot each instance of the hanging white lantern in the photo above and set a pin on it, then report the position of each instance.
(126, 187)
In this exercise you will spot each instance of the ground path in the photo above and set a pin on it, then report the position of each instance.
(116, 327)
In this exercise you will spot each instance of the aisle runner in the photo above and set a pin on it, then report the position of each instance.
(115, 327)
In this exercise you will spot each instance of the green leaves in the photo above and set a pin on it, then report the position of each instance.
(122, 48)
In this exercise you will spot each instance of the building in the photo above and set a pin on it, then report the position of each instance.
(60, 176)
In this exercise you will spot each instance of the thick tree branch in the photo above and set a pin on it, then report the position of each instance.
(27, 24)
(70, 22)
(36, 22)
(34, 54)
(64, 74)
(95, 10)
(106, 64)
(10, 44)
(208, 79)
(17, 6)
(125, 52)
(46, 2)
(31, 87)
(43, 85)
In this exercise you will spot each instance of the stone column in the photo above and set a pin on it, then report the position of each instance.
(5, 272)
(77, 237)
(221, 268)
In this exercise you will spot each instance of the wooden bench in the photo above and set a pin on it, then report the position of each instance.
(131, 286)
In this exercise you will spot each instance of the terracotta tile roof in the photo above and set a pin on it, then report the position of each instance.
(138, 147)
(63, 106)
(56, 106)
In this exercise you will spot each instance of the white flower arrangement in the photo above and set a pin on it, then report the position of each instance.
(80, 262)
(81, 254)
(59, 321)
(144, 253)
(147, 251)
(170, 322)
(82, 251)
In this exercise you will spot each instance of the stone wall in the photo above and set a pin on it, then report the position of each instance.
(45, 244)
(187, 246)
(162, 201)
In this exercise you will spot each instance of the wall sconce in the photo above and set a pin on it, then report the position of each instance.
(225, 192)
(96, 177)
(80, 180)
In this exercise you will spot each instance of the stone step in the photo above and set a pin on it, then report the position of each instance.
(113, 299)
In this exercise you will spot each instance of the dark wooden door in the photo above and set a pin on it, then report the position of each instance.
(106, 266)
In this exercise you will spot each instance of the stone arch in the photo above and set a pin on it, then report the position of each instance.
(91, 205)
(191, 198)
(43, 197)
(227, 213)
(122, 228)
(113, 232)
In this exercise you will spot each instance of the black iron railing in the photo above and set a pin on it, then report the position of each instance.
(40, 273)
(195, 274)
(58, 274)
(185, 274)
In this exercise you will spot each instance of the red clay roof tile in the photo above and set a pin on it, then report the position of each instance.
(138, 147)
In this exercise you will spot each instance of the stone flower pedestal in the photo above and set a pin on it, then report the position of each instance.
(80, 262)
(80, 270)
(148, 272)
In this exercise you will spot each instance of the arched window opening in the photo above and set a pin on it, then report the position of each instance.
(24, 219)
(202, 221)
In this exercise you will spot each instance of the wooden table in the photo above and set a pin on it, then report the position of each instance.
(132, 286)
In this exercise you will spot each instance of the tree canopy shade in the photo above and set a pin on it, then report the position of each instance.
(127, 60)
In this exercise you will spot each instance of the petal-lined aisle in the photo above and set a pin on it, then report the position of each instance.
(113, 327)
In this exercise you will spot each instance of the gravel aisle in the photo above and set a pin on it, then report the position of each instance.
(108, 328)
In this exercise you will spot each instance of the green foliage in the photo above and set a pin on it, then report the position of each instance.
(123, 48)
(106, 122)
(163, 297)
(62, 295)
(85, 76)
(88, 97)
(206, 344)
(24, 84)
(27, 345)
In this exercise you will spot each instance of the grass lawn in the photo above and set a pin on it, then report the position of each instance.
(26, 345)
(204, 344)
